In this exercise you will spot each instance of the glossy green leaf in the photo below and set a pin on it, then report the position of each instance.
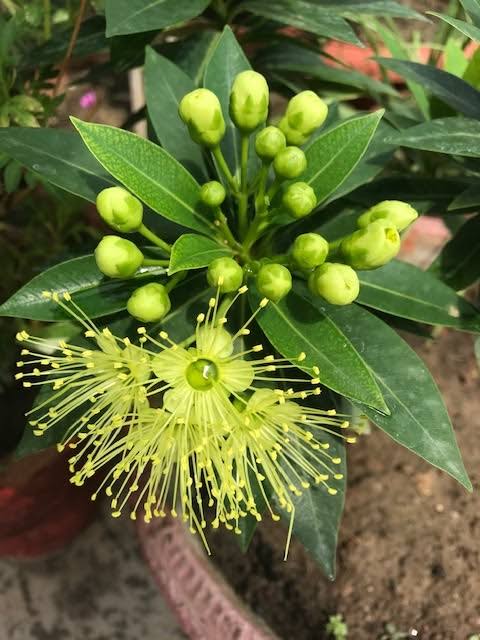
(191, 53)
(455, 92)
(132, 16)
(469, 30)
(192, 251)
(404, 290)
(96, 295)
(165, 86)
(58, 156)
(472, 7)
(334, 155)
(455, 136)
(470, 198)
(295, 325)
(351, 8)
(148, 171)
(458, 264)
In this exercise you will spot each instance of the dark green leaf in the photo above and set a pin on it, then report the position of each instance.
(351, 8)
(295, 325)
(148, 171)
(58, 156)
(132, 16)
(455, 92)
(402, 289)
(466, 28)
(165, 86)
(455, 136)
(472, 7)
(192, 251)
(192, 53)
(127, 52)
(96, 295)
(470, 198)
(12, 176)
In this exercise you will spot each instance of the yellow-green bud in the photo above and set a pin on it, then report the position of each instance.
(249, 101)
(274, 281)
(309, 250)
(299, 199)
(401, 214)
(212, 194)
(305, 113)
(269, 142)
(226, 274)
(337, 283)
(290, 163)
(120, 210)
(149, 303)
(201, 111)
(371, 247)
(117, 257)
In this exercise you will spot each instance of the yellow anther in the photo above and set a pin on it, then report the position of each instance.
(301, 356)
(46, 294)
(67, 296)
(263, 303)
(332, 491)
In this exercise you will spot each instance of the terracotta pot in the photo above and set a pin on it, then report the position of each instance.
(205, 606)
(40, 510)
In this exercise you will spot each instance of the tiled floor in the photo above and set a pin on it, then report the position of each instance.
(98, 588)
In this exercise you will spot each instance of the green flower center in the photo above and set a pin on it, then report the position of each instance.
(202, 374)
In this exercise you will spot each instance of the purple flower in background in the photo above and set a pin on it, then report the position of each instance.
(88, 99)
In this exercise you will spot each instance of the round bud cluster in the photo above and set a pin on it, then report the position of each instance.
(201, 111)
(305, 113)
(309, 250)
(337, 283)
(290, 163)
(249, 101)
(226, 274)
(398, 213)
(117, 257)
(149, 303)
(371, 247)
(120, 209)
(269, 142)
(212, 194)
(274, 281)
(299, 199)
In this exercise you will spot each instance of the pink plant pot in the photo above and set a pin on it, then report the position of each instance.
(204, 604)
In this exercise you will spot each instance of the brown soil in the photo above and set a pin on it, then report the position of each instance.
(409, 550)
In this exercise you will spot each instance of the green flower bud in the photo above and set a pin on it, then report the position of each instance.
(299, 199)
(212, 194)
(337, 283)
(149, 303)
(274, 281)
(120, 210)
(290, 163)
(401, 214)
(269, 142)
(249, 101)
(305, 113)
(371, 247)
(117, 257)
(309, 250)
(226, 274)
(200, 110)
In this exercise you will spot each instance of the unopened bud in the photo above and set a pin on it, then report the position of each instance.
(290, 163)
(120, 209)
(274, 281)
(336, 283)
(249, 101)
(299, 199)
(309, 250)
(226, 274)
(305, 113)
(149, 303)
(371, 247)
(212, 194)
(201, 111)
(269, 142)
(401, 214)
(117, 257)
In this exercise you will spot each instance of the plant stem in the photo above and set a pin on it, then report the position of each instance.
(225, 229)
(71, 46)
(47, 19)
(150, 262)
(149, 235)
(274, 187)
(174, 280)
(223, 166)
(260, 204)
(243, 198)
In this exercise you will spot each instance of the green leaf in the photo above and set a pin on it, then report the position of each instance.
(148, 171)
(192, 251)
(96, 295)
(455, 92)
(455, 136)
(191, 54)
(295, 325)
(58, 156)
(402, 289)
(472, 7)
(334, 155)
(226, 61)
(458, 265)
(132, 16)
(466, 28)
(470, 198)
(165, 86)
(351, 8)
(419, 420)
